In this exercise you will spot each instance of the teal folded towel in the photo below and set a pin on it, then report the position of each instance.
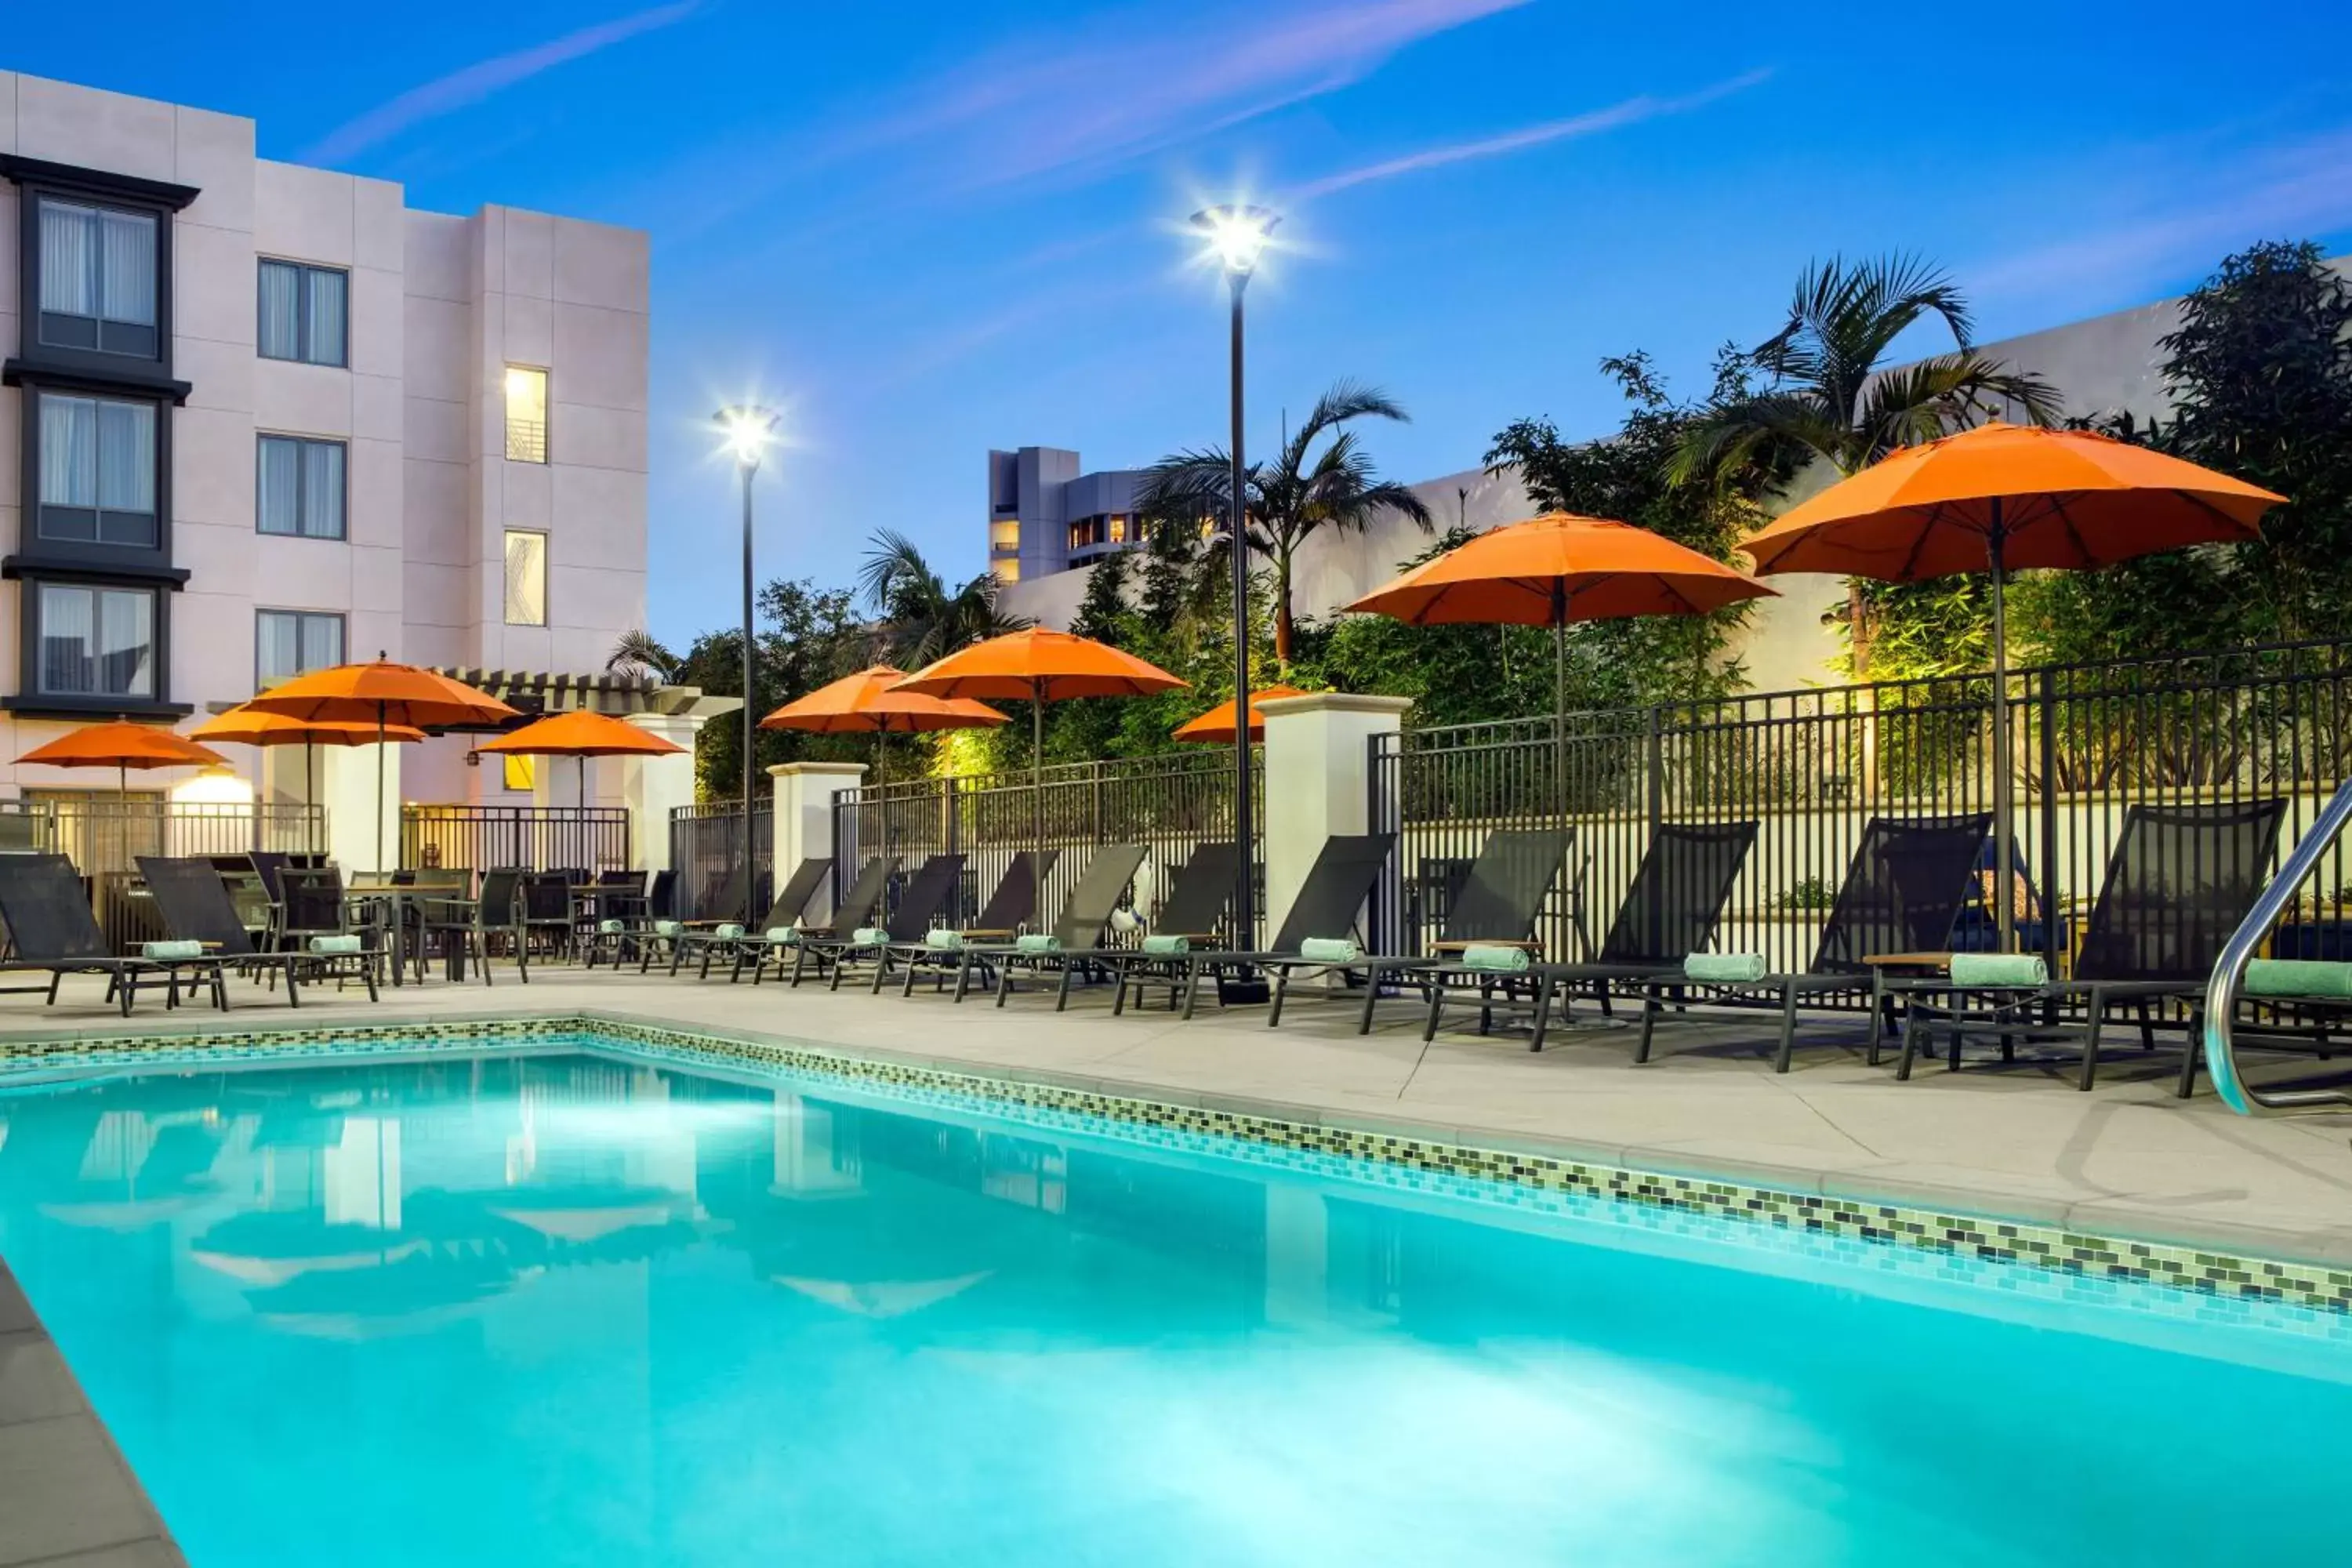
(610, 928)
(1037, 942)
(1167, 946)
(669, 928)
(328, 945)
(1329, 950)
(1725, 968)
(2298, 977)
(727, 930)
(1973, 968)
(869, 936)
(943, 941)
(1496, 958)
(784, 936)
(171, 952)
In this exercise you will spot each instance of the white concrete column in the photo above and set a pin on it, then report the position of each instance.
(651, 786)
(347, 786)
(1317, 780)
(804, 821)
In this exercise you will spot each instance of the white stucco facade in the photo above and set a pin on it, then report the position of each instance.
(436, 311)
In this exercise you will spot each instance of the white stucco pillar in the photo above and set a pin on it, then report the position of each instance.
(347, 786)
(804, 821)
(652, 786)
(1317, 780)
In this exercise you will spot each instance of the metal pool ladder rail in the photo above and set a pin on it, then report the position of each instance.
(2230, 973)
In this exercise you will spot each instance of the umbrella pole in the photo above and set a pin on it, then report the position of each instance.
(2004, 841)
(1559, 697)
(379, 789)
(1038, 769)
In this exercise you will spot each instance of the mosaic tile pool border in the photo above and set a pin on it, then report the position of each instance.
(2058, 1249)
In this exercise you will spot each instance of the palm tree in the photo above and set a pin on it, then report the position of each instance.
(1826, 397)
(641, 652)
(919, 617)
(1287, 499)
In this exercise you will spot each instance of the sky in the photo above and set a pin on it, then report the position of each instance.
(922, 230)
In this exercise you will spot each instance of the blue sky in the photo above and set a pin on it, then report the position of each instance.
(927, 229)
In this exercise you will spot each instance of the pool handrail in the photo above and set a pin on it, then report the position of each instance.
(2230, 973)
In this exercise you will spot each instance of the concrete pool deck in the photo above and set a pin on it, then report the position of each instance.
(2127, 1160)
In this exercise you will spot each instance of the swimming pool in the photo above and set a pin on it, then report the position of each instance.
(586, 1303)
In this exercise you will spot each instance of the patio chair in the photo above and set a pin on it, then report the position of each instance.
(465, 926)
(1902, 894)
(1006, 915)
(1191, 914)
(1671, 911)
(195, 906)
(543, 912)
(1077, 932)
(852, 913)
(1322, 913)
(2180, 881)
(919, 904)
(52, 930)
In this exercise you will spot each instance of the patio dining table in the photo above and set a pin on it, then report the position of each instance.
(396, 900)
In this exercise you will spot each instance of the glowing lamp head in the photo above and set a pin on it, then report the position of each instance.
(1237, 236)
(747, 431)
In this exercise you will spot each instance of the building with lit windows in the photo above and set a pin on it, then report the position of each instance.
(1045, 516)
(265, 417)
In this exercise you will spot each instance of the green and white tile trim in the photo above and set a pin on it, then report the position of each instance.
(1926, 1241)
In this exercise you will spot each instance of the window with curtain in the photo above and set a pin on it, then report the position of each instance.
(98, 282)
(304, 314)
(95, 642)
(299, 486)
(526, 414)
(97, 469)
(288, 643)
(526, 578)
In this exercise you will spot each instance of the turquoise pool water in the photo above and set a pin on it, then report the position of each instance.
(587, 1306)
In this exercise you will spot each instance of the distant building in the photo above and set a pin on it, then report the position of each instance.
(1045, 516)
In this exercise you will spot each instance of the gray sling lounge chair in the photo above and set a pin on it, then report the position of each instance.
(1325, 907)
(1078, 934)
(51, 930)
(703, 940)
(196, 907)
(919, 904)
(1008, 912)
(855, 910)
(1194, 909)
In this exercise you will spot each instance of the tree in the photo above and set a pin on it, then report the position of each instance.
(921, 618)
(640, 653)
(805, 637)
(1284, 501)
(1826, 397)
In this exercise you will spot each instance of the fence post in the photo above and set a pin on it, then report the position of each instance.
(807, 810)
(1318, 778)
(2046, 696)
(1654, 763)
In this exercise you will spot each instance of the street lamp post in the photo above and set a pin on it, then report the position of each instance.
(749, 430)
(1237, 237)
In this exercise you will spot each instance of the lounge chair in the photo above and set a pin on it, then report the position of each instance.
(710, 940)
(855, 911)
(51, 930)
(196, 907)
(2180, 881)
(926, 893)
(1672, 910)
(1903, 893)
(1190, 916)
(1323, 912)
(1067, 951)
(1008, 912)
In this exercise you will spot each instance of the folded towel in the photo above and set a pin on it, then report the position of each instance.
(1725, 968)
(784, 936)
(1037, 942)
(940, 939)
(171, 952)
(669, 928)
(329, 945)
(611, 927)
(1973, 968)
(2298, 977)
(869, 936)
(727, 930)
(1496, 958)
(1167, 946)
(1329, 950)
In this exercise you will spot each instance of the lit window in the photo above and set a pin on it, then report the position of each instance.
(526, 414)
(521, 774)
(98, 470)
(288, 643)
(96, 642)
(299, 488)
(304, 313)
(526, 578)
(1118, 528)
(1007, 570)
(1005, 538)
(97, 279)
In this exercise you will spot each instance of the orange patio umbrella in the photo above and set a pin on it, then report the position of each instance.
(581, 734)
(868, 703)
(1041, 667)
(1216, 726)
(121, 745)
(1997, 499)
(388, 693)
(243, 726)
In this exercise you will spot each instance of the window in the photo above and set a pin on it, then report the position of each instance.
(526, 415)
(1119, 533)
(96, 642)
(1007, 570)
(303, 313)
(299, 488)
(526, 578)
(520, 773)
(287, 643)
(1005, 538)
(97, 469)
(97, 279)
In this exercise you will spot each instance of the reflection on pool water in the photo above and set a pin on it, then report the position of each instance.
(587, 1306)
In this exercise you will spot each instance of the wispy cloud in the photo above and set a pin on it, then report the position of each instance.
(469, 86)
(1632, 111)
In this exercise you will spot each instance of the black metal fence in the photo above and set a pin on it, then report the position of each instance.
(1810, 768)
(541, 838)
(104, 835)
(1171, 804)
(706, 847)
